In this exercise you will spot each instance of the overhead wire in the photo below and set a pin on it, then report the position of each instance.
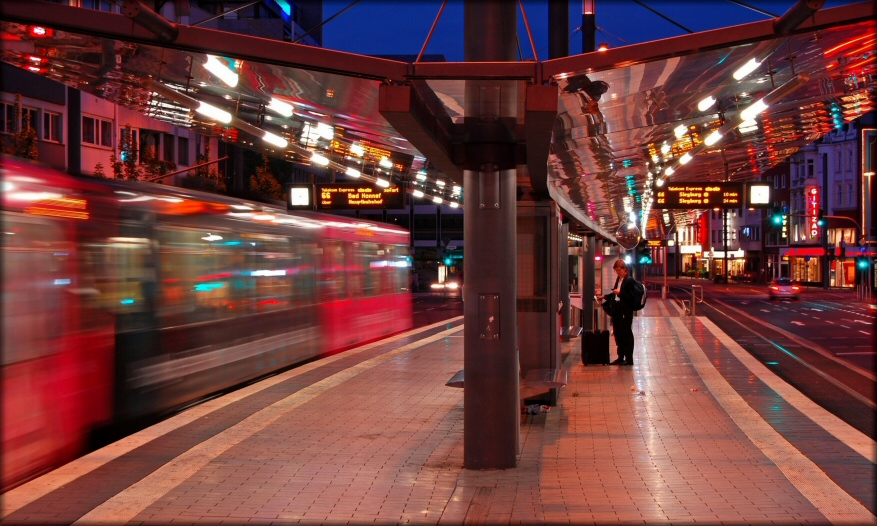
(665, 17)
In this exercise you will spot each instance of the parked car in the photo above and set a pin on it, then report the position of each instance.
(784, 288)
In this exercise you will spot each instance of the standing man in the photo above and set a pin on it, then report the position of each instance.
(623, 297)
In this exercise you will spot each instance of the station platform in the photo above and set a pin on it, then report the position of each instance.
(696, 431)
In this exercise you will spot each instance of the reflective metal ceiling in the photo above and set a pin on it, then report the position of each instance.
(617, 110)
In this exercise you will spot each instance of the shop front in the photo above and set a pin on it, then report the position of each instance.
(734, 265)
(805, 263)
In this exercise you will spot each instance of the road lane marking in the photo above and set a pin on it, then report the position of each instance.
(831, 500)
(864, 353)
(765, 310)
(799, 323)
(861, 321)
(865, 332)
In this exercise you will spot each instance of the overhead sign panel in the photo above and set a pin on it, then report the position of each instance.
(332, 196)
(700, 195)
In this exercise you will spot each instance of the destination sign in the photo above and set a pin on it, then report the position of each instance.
(700, 195)
(331, 196)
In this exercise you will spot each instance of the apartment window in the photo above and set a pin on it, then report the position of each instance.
(849, 194)
(29, 118)
(183, 150)
(129, 148)
(167, 148)
(8, 114)
(850, 159)
(97, 131)
(810, 168)
(52, 126)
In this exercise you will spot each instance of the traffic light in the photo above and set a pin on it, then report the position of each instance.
(820, 219)
(644, 255)
(776, 219)
(862, 262)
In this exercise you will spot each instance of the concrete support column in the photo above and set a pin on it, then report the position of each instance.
(491, 398)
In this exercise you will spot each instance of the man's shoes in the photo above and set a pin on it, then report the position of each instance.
(627, 363)
(618, 361)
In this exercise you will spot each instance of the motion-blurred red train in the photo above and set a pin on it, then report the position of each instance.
(123, 301)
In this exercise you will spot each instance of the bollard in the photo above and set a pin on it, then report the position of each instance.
(694, 298)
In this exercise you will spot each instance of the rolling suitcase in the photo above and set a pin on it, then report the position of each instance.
(595, 343)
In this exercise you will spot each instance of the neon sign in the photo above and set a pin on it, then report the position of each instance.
(813, 211)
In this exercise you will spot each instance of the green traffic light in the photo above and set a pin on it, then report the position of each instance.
(863, 263)
(777, 220)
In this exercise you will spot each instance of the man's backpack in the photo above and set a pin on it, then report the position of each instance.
(639, 295)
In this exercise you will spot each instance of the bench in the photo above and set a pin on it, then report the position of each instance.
(456, 380)
(546, 378)
(536, 379)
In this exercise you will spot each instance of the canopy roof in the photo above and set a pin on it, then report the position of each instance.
(615, 129)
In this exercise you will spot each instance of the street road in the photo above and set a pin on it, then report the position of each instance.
(822, 343)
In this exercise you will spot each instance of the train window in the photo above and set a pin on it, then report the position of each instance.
(332, 274)
(199, 278)
(266, 269)
(36, 278)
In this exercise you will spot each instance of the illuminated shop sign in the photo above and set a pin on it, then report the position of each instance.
(701, 195)
(813, 211)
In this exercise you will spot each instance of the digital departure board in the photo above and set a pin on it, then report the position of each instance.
(331, 196)
(700, 195)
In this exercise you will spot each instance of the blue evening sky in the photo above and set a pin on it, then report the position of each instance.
(394, 27)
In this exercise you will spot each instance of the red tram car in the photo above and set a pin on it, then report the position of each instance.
(125, 300)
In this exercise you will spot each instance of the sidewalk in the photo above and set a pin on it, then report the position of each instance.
(374, 436)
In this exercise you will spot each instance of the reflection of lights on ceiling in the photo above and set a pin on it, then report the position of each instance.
(665, 148)
(327, 132)
(213, 112)
(276, 140)
(454, 204)
(357, 150)
(712, 138)
(223, 72)
(382, 182)
(746, 69)
(706, 103)
(319, 159)
(680, 130)
(385, 163)
(280, 107)
(756, 108)
(685, 158)
(437, 200)
(669, 171)
(352, 172)
(417, 193)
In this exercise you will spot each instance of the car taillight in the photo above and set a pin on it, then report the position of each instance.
(775, 288)
(796, 288)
